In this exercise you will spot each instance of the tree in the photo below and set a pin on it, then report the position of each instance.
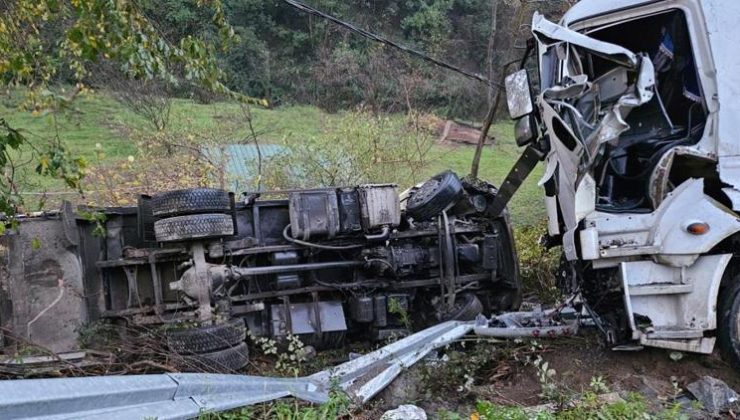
(43, 42)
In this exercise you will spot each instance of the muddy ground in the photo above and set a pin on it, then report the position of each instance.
(505, 373)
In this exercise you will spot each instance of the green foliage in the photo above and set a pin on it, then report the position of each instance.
(38, 39)
(359, 148)
(429, 22)
(489, 411)
(48, 41)
(395, 307)
(282, 54)
(588, 407)
(472, 362)
(10, 139)
(97, 218)
(538, 264)
(56, 161)
(290, 354)
(338, 406)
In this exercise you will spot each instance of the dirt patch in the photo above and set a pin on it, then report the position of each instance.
(505, 375)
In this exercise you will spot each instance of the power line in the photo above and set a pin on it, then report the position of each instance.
(377, 38)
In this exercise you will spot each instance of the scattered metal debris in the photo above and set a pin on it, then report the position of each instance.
(527, 324)
(185, 395)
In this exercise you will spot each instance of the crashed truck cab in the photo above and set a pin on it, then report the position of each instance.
(636, 118)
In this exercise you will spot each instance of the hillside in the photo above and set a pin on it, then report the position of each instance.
(107, 135)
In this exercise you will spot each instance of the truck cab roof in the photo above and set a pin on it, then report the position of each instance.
(590, 8)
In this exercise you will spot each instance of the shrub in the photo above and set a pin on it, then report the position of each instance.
(538, 264)
(361, 148)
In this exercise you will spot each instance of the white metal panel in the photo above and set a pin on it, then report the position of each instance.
(664, 231)
(587, 8)
(723, 28)
(678, 301)
(722, 17)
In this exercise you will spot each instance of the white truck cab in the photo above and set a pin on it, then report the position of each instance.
(637, 119)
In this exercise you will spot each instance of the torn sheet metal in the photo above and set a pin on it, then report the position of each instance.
(574, 152)
(549, 33)
(364, 377)
(188, 395)
(568, 150)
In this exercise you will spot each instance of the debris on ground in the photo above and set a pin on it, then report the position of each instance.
(450, 131)
(405, 412)
(454, 132)
(407, 388)
(713, 394)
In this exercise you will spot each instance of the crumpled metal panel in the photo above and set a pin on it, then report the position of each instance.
(364, 377)
(188, 395)
(549, 33)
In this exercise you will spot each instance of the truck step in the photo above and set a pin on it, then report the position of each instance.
(660, 289)
(674, 334)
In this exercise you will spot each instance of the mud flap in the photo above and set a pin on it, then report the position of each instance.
(521, 170)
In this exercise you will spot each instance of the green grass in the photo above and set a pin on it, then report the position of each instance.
(527, 205)
(97, 118)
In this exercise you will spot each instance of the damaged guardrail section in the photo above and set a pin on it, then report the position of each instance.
(183, 395)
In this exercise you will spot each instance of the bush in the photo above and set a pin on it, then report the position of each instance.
(361, 148)
(538, 264)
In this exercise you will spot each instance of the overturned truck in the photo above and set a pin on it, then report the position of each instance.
(323, 264)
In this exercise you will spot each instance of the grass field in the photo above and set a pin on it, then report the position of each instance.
(98, 119)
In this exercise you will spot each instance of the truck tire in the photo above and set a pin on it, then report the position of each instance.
(228, 360)
(435, 195)
(728, 328)
(467, 308)
(194, 226)
(191, 201)
(207, 339)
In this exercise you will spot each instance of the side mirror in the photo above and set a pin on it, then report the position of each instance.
(518, 94)
(525, 130)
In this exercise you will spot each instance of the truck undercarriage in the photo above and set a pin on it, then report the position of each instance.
(322, 265)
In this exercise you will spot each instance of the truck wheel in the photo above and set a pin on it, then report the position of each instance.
(190, 201)
(728, 328)
(437, 194)
(194, 226)
(467, 308)
(207, 339)
(227, 360)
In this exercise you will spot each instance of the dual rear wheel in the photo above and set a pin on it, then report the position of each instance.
(192, 214)
(197, 214)
(212, 348)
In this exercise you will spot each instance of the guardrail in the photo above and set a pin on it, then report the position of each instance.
(188, 395)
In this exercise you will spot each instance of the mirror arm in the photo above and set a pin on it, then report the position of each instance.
(527, 53)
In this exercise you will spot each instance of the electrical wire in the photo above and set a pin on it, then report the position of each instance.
(317, 246)
(377, 38)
